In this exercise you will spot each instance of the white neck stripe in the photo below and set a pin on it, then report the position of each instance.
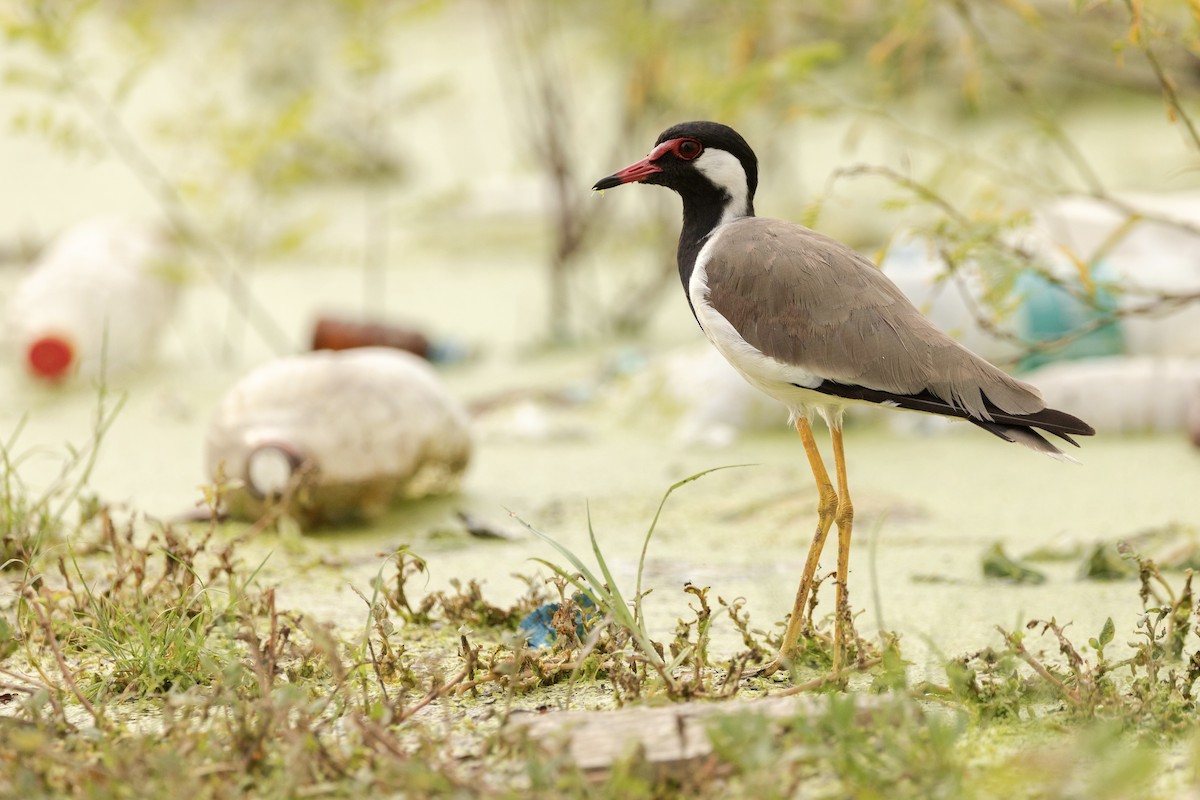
(725, 172)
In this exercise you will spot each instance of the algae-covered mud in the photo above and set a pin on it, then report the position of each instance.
(929, 507)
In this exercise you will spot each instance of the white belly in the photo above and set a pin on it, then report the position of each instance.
(790, 384)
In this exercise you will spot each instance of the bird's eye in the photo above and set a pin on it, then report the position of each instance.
(689, 149)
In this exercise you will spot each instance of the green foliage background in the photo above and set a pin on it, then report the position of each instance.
(297, 106)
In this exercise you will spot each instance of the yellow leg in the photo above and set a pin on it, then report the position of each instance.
(845, 522)
(827, 507)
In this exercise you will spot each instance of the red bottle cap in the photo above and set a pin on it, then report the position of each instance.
(51, 357)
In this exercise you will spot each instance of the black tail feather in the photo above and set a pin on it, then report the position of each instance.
(1065, 438)
(1009, 427)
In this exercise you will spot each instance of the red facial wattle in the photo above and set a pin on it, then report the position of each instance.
(685, 149)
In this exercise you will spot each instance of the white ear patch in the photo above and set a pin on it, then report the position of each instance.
(724, 171)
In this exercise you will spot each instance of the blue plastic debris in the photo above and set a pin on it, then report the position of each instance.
(538, 625)
(1050, 312)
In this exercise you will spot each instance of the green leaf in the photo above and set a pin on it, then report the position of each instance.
(998, 564)
(1107, 632)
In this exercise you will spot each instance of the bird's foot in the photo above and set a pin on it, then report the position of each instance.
(810, 642)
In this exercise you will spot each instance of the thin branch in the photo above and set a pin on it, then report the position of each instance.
(59, 659)
(1065, 691)
(921, 190)
(1047, 116)
(127, 148)
(439, 691)
(1165, 81)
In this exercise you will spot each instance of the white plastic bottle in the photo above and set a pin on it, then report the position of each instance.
(338, 434)
(98, 297)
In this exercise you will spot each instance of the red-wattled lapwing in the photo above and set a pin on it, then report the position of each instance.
(817, 326)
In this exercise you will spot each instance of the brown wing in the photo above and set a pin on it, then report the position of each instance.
(810, 301)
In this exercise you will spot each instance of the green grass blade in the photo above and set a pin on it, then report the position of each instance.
(606, 590)
(601, 601)
(637, 592)
(622, 611)
(580, 567)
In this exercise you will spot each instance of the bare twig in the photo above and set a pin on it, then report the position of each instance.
(59, 659)
(1165, 81)
(438, 691)
(1066, 692)
(127, 148)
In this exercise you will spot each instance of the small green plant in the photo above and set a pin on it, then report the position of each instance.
(1150, 689)
(839, 747)
(30, 520)
(998, 564)
(627, 615)
(162, 618)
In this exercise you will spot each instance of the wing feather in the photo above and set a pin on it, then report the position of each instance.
(810, 301)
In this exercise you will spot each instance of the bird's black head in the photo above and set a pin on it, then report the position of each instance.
(702, 161)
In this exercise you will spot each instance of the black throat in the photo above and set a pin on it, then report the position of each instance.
(703, 209)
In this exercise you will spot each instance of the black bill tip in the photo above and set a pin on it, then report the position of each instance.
(607, 183)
